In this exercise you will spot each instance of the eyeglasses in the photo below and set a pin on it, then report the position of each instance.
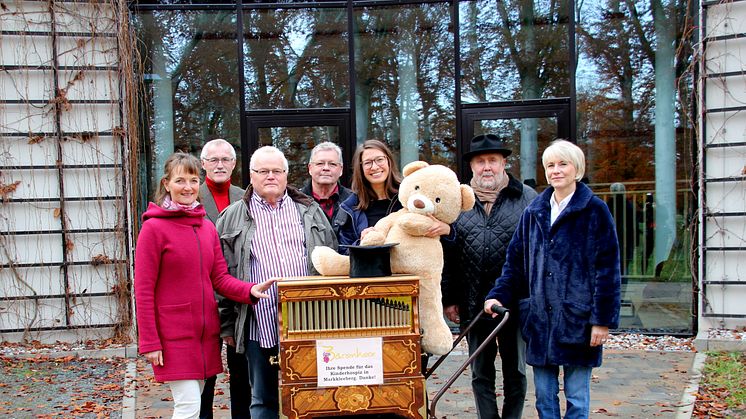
(266, 172)
(380, 161)
(321, 164)
(224, 160)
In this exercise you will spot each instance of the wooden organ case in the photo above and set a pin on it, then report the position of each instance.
(323, 308)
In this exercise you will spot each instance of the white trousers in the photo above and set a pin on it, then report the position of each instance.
(186, 395)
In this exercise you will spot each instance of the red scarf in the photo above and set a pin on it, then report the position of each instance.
(220, 193)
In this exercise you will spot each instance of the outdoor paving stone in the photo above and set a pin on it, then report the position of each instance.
(631, 383)
(49, 387)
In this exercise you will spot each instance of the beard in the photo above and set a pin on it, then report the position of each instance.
(490, 182)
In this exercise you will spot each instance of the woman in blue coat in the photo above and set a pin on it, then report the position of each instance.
(563, 269)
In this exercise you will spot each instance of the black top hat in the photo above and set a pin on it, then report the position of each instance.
(370, 261)
(487, 143)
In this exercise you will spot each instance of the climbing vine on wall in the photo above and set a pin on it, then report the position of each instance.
(67, 116)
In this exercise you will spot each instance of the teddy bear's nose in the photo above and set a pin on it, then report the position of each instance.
(418, 204)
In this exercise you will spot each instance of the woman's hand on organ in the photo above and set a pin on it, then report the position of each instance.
(258, 290)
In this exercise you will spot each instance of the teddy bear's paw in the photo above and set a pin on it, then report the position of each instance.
(330, 263)
(373, 238)
(437, 346)
(437, 338)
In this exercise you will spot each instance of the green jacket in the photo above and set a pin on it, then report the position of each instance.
(236, 229)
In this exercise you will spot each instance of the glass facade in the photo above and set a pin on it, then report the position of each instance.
(296, 58)
(634, 122)
(515, 49)
(404, 84)
(296, 143)
(544, 130)
(191, 95)
(424, 77)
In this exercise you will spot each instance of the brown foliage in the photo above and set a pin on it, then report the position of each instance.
(7, 189)
(35, 139)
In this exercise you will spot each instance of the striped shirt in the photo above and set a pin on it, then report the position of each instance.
(278, 249)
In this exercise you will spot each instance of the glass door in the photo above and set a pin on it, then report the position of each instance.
(656, 294)
(527, 128)
(296, 133)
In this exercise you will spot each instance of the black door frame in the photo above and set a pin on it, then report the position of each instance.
(338, 117)
(560, 109)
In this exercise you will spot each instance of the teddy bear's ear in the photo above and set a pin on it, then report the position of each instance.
(467, 198)
(413, 167)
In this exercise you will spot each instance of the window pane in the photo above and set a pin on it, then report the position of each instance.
(514, 49)
(191, 93)
(526, 168)
(296, 58)
(225, 3)
(633, 122)
(404, 74)
(296, 143)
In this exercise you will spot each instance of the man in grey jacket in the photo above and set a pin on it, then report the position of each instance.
(473, 260)
(269, 233)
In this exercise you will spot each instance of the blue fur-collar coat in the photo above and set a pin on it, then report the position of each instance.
(565, 278)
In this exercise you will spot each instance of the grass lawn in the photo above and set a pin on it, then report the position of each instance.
(722, 390)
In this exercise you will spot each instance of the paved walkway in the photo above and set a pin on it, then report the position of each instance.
(630, 384)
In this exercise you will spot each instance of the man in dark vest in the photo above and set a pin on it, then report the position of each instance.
(216, 193)
(473, 260)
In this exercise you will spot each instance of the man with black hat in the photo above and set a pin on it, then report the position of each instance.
(473, 260)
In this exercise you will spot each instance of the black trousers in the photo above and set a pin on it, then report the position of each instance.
(239, 387)
(513, 355)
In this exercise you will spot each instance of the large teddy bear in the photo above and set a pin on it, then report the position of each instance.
(425, 190)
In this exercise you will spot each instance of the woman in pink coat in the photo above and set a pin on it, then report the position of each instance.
(178, 266)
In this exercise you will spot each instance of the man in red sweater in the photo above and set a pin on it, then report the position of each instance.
(218, 160)
(216, 193)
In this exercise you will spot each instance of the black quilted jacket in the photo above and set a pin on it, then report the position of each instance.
(475, 257)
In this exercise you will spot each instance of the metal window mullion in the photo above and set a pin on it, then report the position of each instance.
(59, 264)
(32, 134)
(69, 199)
(60, 170)
(703, 303)
(44, 101)
(18, 67)
(53, 328)
(57, 34)
(709, 3)
(48, 232)
(57, 296)
(64, 166)
(123, 211)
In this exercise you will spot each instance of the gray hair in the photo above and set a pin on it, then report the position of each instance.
(567, 151)
(213, 143)
(326, 145)
(617, 187)
(266, 150)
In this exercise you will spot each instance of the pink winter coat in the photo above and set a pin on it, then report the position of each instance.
(178, 263)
